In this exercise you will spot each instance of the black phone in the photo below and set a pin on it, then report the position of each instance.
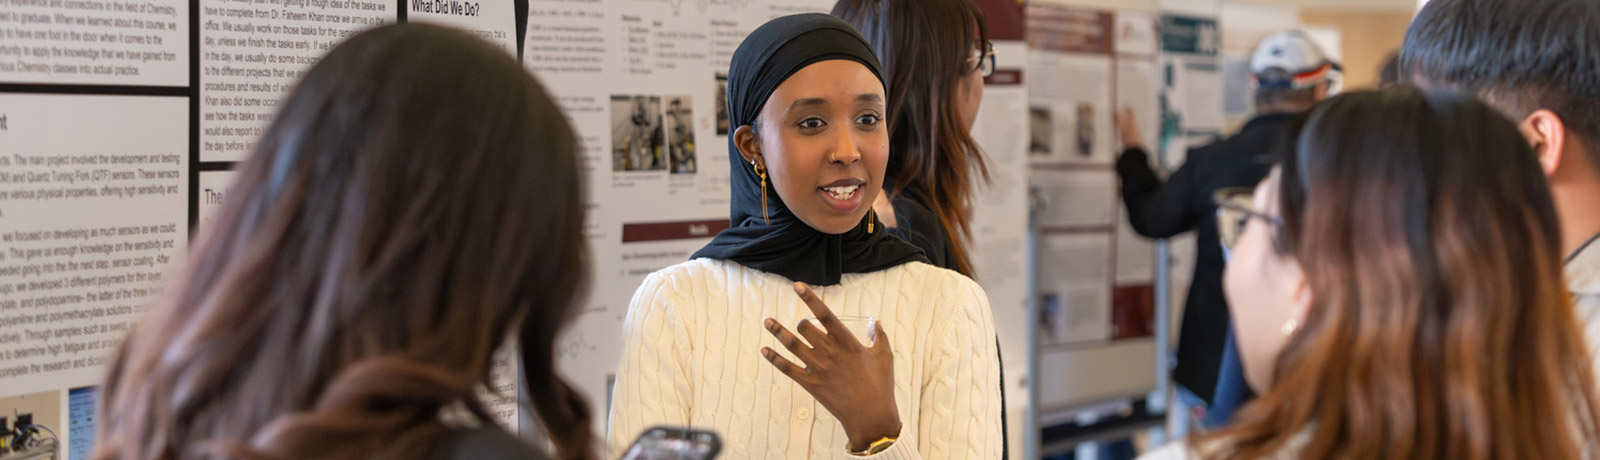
(674, 443)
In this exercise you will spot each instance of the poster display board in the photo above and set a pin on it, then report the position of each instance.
(1095, 279)
(1000, 216)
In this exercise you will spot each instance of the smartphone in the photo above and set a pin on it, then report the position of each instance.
(674, 443)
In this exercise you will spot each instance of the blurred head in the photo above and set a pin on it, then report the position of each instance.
(1404, 298)
(822, 140)
(414, 204)
(1291, 73)
(1537, 61)
(934, 55)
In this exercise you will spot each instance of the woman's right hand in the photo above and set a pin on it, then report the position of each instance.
(1128, 128)
(854, 382)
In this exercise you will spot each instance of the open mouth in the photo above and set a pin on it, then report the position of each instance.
(843, 195)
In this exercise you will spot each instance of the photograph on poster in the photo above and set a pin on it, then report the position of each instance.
(1039, 131)
(1050, 316)
(81, 404)
(1085, 130)
(35, 420)
(637, 138)
(722, 103)
(680, 133)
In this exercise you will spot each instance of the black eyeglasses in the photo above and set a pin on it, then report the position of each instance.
(1234, 211)
(982, 60)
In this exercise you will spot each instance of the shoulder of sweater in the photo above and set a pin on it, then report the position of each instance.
(699, 270)
(927, 279)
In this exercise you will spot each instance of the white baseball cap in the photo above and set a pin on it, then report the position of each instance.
(1291, 59)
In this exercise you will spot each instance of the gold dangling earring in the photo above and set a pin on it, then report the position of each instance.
(871, 216)
(762, 172)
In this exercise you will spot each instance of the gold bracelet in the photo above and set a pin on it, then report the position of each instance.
(880, 445)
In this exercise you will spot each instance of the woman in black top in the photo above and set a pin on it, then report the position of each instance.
(935, 54)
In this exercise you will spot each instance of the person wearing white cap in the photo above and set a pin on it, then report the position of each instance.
(1291, 74)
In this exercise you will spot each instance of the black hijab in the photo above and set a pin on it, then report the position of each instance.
(787, 246)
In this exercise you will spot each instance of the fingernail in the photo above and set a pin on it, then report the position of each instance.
(769, 323)
(766, 353)
(799, 288)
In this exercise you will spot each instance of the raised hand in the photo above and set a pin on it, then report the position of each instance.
(853, 381)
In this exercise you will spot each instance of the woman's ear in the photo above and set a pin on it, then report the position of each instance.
(1302, 297)
(748, 142)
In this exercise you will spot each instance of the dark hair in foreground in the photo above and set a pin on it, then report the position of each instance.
(414, 205)
(1439, 326)
(1520, 55)
(925, 47)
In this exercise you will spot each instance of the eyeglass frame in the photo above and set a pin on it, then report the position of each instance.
(985, 53)
(1224, 200)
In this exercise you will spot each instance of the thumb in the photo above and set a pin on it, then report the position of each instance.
(880, 338)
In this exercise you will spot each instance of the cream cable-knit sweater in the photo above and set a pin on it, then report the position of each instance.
(692, 357)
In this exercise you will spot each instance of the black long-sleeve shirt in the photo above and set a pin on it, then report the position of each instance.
(1182, 203)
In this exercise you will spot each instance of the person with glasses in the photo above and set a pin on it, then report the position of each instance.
(1397, 291)
(935, 55)
(1291, 74)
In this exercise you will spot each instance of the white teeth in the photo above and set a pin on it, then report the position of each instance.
(843, 193)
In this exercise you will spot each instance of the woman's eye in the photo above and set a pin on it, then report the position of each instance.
(812, 123)
(869, 119)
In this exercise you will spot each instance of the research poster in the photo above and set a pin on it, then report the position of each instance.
(94, 200)
(1096, 278)
(1193, 113)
